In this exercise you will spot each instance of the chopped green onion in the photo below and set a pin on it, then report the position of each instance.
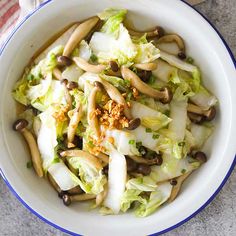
(155, 136)
(148, 130)
(56, 160)
(183, 171)
(29, 164)
(93, 58)
(132, 142)
(190, 60)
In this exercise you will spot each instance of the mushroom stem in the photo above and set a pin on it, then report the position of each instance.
(142, 160)
(79, 34)
(103, 157)
(176, 189)
(156, 32)
(67, 199)
(35, 154)
(53, 183)
(195, 118)
(73, 124)
(85, 155)
(112, 73)
(75, 190)
(173, 38)
(57, 74)
(84, 65)
(82, 197)
(92, 117)
(67, 93)
(208, 114)
(101, 196)
(20, 125)
(146, 66)
(115, 95)
(165, 96)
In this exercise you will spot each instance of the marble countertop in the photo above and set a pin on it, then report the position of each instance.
(217, 219)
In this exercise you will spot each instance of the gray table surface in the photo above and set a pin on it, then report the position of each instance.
(218, 219)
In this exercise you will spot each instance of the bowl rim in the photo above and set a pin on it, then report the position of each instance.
(171, 227)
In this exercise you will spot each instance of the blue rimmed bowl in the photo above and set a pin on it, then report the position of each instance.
(218, 69)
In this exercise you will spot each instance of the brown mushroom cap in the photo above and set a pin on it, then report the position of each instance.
(195, 118)
(66, 199)
(134, 124)
(64, 61)
(98, 85)
(200, 156)
(208, 115)
(20, 124)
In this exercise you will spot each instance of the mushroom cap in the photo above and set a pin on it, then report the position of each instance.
(195, 118)
(20, 124)
(64, 81)
(98, 85)
(61, 194)
(72, 85)
(160, 31)
(200, 156)
(134, 124)
(168, 95)
(66, 199)
(210, 114)
(64, 61)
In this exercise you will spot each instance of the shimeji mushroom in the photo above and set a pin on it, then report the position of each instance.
(84, 65)
(74, 121)
(87, 156)
(104, 158)
(75, 190)
(67, 94)
(67, 199)
(101, 196)
(115, 95)
(146, 66)
(79, 34)
(177, 182)
(177, 187)
(54, 184)
(57, 74)
(134, 124)
(92, 117)
(156, 32)
(174, 38)
(20, 126)
(64, 61)
(164, 95)
(206, 115)
(157, 160)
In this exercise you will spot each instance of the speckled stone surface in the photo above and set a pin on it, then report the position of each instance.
(218, 219)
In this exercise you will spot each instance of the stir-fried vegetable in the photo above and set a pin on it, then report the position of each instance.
(115, 116)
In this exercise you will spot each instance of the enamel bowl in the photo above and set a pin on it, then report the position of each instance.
(210, 52)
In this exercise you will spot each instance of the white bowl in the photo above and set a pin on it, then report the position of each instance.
(210, 53)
